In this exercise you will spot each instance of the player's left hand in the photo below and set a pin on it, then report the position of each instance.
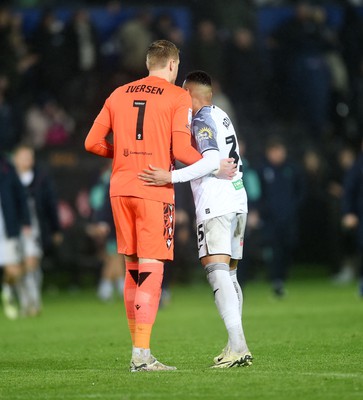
(155, 176)
(227, 169)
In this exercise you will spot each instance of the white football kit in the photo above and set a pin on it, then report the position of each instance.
(221, 205)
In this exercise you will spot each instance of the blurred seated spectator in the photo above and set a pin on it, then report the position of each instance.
(8, 54)
(48, 124)
(134, 37)
(301, 73)
(83, 58)
(245, 78)
(314, 215)
(8, 131)
(351, 37)
(282, 194)
(247, 267)
(48, 42)
(342, 241)
(163, 26)
(352, 208)
(222, 100)
(206, 49)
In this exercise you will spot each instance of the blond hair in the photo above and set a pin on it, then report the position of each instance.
(159, 53)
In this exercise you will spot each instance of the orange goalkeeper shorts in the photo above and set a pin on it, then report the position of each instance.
(144, 227)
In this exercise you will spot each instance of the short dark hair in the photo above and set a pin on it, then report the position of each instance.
(200, 77)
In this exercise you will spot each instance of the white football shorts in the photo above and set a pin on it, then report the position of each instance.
(222, 235)
(9, 251)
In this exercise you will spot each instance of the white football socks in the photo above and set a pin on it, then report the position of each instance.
(140, 354)
(238, 289)
(33, 291)
(227, 303)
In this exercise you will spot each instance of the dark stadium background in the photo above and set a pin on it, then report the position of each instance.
(271, 110)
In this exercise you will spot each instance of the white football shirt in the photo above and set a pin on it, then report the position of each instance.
(213, 130)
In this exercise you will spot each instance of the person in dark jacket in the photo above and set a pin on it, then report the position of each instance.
(352, 207)
(14, 220)
(282, 192)
(45, 226)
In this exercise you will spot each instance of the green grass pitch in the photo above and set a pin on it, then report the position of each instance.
(308, 345)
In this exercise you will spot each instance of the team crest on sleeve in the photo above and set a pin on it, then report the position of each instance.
(204, 133)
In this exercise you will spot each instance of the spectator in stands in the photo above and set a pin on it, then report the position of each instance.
(16, 65)
(8, 55)
(134, 37)
(282, 194)
(343, 252)
(207, 49)
(83, 58)
(163, 26)
(245, 78)
(48, 42)
(314, 214)
(8, 123)
(351, 37)
(301, 71)
(251, 181)
(48, 124)
(223, 101)
(353, 207)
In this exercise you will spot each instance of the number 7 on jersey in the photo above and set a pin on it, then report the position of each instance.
(141, 105)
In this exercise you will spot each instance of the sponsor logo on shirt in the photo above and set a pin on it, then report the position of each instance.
(127, 152)
(238, 184)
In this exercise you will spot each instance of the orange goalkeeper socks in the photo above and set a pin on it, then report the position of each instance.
(147, 301)
(131, 280)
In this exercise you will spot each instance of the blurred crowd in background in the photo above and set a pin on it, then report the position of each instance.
(289, 74)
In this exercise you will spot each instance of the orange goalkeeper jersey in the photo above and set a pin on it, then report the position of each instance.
(143, 115)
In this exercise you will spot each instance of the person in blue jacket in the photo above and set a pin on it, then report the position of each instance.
(352, 207)
(14, 220)
(282, 193)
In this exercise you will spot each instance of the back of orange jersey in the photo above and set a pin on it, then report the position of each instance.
(142, 116)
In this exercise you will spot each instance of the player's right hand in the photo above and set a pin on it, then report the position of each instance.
(155, 176)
